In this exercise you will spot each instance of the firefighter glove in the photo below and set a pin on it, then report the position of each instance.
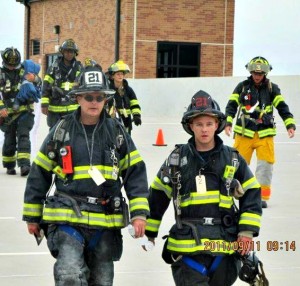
(137, 119)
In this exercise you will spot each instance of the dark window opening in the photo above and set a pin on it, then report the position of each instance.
(178, 59)
(36, 47)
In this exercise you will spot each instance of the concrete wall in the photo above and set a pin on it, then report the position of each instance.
(170, 97)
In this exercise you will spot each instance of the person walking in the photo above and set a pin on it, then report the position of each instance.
(253, 102)
(203, 178)
(92, 158)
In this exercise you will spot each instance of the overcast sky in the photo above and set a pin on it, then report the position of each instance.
(268, 28)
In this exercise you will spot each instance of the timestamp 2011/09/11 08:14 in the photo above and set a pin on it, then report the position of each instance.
(270, 245)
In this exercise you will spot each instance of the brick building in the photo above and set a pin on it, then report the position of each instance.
(184, 38)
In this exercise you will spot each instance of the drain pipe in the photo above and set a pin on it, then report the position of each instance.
(117, 31)
(28, 29)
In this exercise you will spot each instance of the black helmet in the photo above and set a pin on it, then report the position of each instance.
(259, 65)
(69, 45)
(203, 104)
(91, 79)
(11, 57)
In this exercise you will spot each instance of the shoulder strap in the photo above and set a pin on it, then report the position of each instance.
(270, 86)
(234, 158)
(60, 134)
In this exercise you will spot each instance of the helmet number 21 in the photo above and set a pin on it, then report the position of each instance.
(93, 77)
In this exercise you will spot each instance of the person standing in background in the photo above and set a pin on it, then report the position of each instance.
(125, 100)
(58, 82)
(253, 100)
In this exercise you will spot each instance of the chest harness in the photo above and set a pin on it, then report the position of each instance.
(261, 115)
(171, 173)
(59, 149)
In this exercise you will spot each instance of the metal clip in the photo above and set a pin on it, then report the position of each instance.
(208, 221)
(92, 200)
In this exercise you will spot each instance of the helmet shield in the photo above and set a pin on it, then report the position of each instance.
(202, 104)
(259, 65)
(91, 79)
(11, 57)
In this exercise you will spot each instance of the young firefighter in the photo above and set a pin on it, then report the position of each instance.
(202, 178)
(255, 128)
(125, 99)
(89, 153)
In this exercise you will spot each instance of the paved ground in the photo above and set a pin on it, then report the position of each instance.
(23, 263)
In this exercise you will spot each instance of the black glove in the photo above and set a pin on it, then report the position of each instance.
(137, 120)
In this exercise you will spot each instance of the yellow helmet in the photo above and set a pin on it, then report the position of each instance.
(259, 65)
(118, 66)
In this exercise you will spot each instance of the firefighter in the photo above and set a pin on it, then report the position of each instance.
(58, 82)
(19, 89)
(202, 178)
(253, 100)
(89, 153)
(126, 102)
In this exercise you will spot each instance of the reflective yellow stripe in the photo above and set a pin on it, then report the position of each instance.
(45, 100)
(21, 108)
(226, 201)
(35, 210)
(234, 97)
(250, 219)
(63, 108)
(8, 159)
(210, 197)
(124, 111)
(44, 162)
(23, 156)
(136, 111)
(158, 185)
(134, 102)
(81, 172)
(267, 132)
(88, 218)
(49, 79)
(247, 132)
(229, 119)
(69, 84)
(277, 99)
(138, 204)
(190, 246)
(289, 121)
(250, 184)
(153, 225)
(135, 157)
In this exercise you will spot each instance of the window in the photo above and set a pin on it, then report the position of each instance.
(50, 59)
(178, 59)
(35, 47)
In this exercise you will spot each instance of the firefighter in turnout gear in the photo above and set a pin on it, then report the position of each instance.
(253, 100)
(125, 100)
(90, 154)
(58, 82)
(19, 89)
(202, 178)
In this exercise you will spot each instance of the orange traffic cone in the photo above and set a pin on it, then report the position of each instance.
(160, 139)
